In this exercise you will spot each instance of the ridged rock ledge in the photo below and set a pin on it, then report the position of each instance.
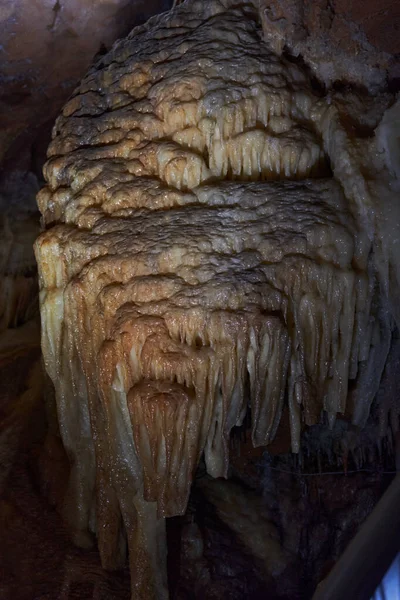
(211, 245)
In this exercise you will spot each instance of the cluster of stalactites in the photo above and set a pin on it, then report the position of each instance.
(182, 378)
(198, 262)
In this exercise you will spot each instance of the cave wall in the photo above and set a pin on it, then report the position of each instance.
(46, 47)
(341, 42)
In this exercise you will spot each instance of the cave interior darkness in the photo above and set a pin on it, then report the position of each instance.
(265, 505)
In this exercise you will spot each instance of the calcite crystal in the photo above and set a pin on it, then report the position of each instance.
(208, 250)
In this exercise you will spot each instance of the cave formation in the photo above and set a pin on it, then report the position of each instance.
(218, 253)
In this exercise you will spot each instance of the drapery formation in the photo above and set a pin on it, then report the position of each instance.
(209, 248)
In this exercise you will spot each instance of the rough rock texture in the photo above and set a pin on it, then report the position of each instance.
(199, 259)
(21, 391)
(34, 86)
(212, 551)
(339, 41)
(19, 227)
(46, 47)
(21, 370)
(215, 549)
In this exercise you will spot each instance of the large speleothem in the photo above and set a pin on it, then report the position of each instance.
(211, 244)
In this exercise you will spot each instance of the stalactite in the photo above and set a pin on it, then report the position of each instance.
(195, 241)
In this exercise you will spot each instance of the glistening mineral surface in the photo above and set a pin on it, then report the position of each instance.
(211, 244)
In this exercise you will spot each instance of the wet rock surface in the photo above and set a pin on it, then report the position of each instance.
(213, 548)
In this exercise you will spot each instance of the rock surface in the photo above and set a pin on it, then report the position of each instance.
(46, 47)
(214, 548)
